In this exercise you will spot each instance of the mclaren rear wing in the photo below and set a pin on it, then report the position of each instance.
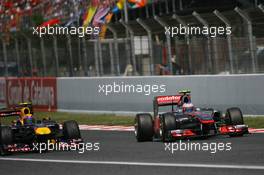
(168, 100)
(183, 96)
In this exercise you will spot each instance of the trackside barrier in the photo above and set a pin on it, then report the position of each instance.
(42, 92)
(89, 94)
(217, 91)
(2, 92)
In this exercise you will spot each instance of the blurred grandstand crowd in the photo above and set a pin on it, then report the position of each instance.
(136, 43)
(21, 14)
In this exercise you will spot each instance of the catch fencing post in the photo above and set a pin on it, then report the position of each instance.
(5, 57)
(85, 61)
(125, 16)
(173, 7)
(168, 41)
(101, 63)
(18, 56)
(79, 54)
(150, 43)
(247, 19)
(43, 55)
(153, 8)
(229, 39)
(167, 6)
(70, 55)
(187, 37)
(209, 56)
(55, 49)
(29, 45)
(130, 30)
(147, 11)
(30, 56)
(261, 7)
(111, 58)
(181, 4)
(96, 61)
(111, 29)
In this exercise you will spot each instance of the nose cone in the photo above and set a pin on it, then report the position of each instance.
(42, 131)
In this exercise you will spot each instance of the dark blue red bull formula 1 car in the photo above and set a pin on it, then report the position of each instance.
(25, 133)
(186, 121)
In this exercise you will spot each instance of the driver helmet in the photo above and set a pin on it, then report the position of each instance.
(187, 107)
(25, 116)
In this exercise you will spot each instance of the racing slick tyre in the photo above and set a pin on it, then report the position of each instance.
(6, 138)
(71, 130)
(144, 127)
(168, 123)
(234, 116)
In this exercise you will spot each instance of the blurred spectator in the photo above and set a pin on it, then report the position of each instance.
(164, 69)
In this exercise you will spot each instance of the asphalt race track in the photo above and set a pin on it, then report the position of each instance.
(120, 154)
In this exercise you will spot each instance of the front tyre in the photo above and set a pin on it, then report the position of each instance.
(143, 127)
(6, 138)
(71, 130)
(234, 116)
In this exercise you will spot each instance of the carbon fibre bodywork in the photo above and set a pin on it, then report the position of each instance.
(179, 124)
(22, 135)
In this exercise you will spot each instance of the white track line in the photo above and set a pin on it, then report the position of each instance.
(245, 167)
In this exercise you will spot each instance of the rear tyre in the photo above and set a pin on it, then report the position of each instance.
(6, 138)
(168, 123)
(71, 130)
(143, 127)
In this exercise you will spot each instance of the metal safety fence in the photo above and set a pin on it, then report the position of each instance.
(141, 47)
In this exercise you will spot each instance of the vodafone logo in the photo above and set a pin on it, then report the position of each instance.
(169, 99)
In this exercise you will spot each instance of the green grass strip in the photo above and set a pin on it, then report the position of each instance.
(111, 120)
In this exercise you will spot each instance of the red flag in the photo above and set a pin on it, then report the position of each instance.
(51, 22)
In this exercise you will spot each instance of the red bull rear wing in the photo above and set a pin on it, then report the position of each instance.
(9, 112)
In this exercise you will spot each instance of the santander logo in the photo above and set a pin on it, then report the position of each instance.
(169, 99)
